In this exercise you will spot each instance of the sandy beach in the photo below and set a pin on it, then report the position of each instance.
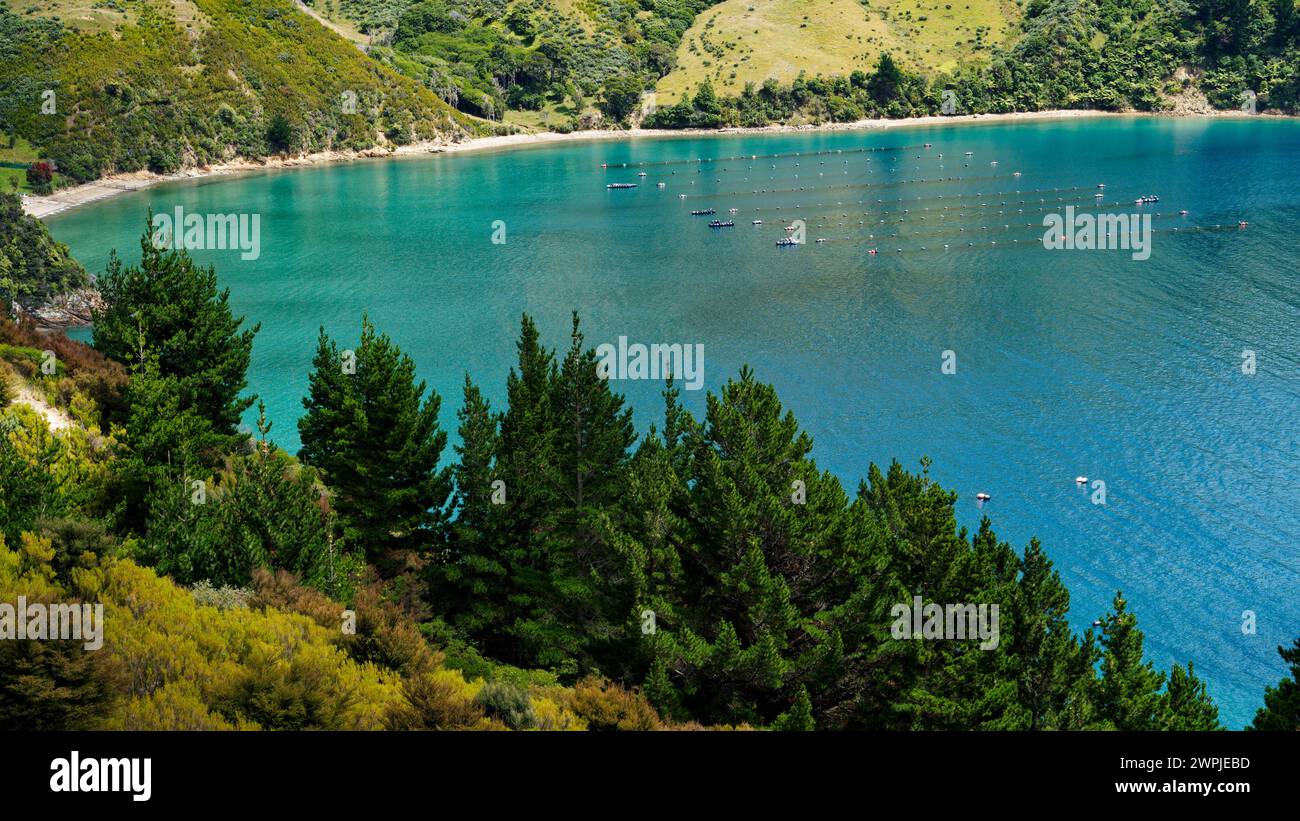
(110, 186)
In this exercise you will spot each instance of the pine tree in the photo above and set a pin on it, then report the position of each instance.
(477, 452)
(1128, 693)
(799, 718)
(526, 463)
(593, 433)
(377, 442)
(168, 443)
(1281, 710)
(958, 684)
(169, 308)
(656, 528)
(1186, 704)
(763, 540)
(1052, 673)
(469, 582)
(161, 429)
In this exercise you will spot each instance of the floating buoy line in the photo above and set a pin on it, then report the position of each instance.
(852, 185)
(780, 156)
(1004, 229)
(939, 211)
(951, 220)
(1022, 243)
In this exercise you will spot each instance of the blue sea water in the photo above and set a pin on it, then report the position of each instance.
(1069, 362)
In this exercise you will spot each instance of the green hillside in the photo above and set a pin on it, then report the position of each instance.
(551, 64)
(742, 41)
(565, 64)
(149, 84)
(1148, 55)
(32, 264)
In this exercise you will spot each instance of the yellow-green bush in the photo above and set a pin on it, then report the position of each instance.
(604, 705)
(172, 662)
(553, 714)
(180, 665)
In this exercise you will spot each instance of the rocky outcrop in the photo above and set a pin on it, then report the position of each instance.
(1189, 100)
(66, 310)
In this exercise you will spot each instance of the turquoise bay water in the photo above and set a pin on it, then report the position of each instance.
(1070, 362)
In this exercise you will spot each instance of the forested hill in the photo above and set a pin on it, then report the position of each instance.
(126, 85)
(568, 64)
(33, 266)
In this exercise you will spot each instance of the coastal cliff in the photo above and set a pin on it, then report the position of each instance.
(66, 310)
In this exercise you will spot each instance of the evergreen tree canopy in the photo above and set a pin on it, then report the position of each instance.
(1128, 691)
(375, 439)
(169, 308)
(1281, 710)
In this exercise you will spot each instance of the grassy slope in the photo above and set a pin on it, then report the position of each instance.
(741, 41)
(22, 153)
(241, 60)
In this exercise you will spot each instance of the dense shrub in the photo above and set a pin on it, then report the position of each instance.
(607, 706)
(508, 704)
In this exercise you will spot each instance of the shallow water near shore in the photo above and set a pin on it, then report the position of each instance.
(1069, 363)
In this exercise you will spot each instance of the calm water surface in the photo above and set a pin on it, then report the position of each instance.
(1069, 362)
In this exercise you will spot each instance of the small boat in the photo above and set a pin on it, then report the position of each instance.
(642, 174)
(820, 240)
(1081, 480)
(662, 184)
(1242, 224)
(1096, 622)
(1101, 185)
(1017, 174)
(703, 212)
(983, 497)
(791, 227)
(621, 185)
(1183, 212)
(732, 210)
(928, 145)
(1098, 195)
(681, 196)
(970, 153)
(721, 224)
(785, 242)
(756, 222)
(872, 252)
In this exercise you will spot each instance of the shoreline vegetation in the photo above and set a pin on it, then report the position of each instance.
(113, 185)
